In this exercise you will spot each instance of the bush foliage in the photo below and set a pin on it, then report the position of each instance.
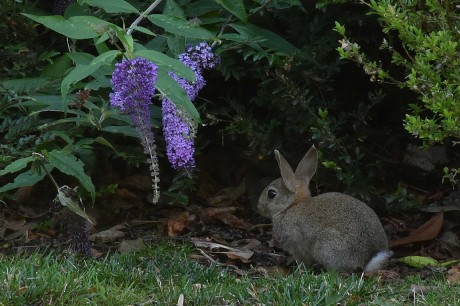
(280, 84)
(422, 39)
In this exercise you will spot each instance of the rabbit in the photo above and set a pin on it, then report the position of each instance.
(333, 230)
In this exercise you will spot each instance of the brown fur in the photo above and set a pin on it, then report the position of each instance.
(333, 230)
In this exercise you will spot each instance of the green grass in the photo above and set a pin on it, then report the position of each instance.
(158, 275)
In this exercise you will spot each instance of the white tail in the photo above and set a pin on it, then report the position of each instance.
(377, 261)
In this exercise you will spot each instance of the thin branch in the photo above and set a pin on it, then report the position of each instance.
(142, 16)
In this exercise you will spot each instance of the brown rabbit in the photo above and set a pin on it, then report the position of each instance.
(333, 230)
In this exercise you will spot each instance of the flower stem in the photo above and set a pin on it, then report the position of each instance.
(142, 16)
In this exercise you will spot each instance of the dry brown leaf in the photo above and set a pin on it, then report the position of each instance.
(130, 246)
(224, 214)
(15, 222)
(109, 235)
(227, 196)
(231, 253)
(453, 275)
(126, 194)
(234, 221)
(251, 244)
(451, 242)
(243, 256)
(96, 253)
(177, 223)
(428, 231)
(22, 231)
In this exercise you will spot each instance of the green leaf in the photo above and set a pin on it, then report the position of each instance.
(144, 30)
(236, 7)
(168, 64)
(180, 27)
(202, 7)
(70, 165)
(173, 9)
(123, 130)
(24, 85)
(112, 6)
(174, 92)
(17, 165)
(266, 38)
(68, 198)
(57, 68)
(104, 142)
(28, 178)
(76, 27)
(82, 71)
(126, 39)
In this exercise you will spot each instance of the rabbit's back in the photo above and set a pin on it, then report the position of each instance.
(333, 229)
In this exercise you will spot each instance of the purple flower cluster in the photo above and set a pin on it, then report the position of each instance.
(133, 83)
(178, 128)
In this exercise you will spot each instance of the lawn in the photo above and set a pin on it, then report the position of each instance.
(168, 273)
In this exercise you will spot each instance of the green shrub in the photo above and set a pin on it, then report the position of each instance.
(61, 111)
(422, 40)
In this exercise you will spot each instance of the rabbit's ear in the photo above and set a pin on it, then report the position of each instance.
(288, 176)
(307, 166)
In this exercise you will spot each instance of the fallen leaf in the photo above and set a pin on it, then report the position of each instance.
(243, 256)
(130, 246)
(22, 231)
(231, 253)
(451, 242)
(419, 261)
(453, 275)
(15, 222)
(96, 253)
(225, 215)
(227, 195)
(109, 235)
(177, 223)
(435, 209)
(251, 244)
(428, 231)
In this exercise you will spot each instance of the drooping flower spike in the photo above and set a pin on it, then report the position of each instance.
(179, 130)
(133, 84)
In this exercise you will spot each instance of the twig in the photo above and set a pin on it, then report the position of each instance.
(142, 16)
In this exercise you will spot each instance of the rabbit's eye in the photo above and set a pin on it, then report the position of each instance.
(271, 193)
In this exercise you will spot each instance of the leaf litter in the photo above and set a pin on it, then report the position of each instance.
(224, 230)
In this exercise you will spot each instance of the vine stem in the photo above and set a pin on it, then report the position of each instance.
(142, 16)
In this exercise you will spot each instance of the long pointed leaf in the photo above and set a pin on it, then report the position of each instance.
(168, 64)
(76, 27)
(180, 27)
